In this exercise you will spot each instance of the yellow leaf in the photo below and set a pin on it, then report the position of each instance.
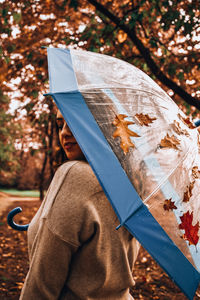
(124, 132)
(169, 142)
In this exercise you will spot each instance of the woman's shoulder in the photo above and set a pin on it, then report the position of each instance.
(73, 205)
(79, 173)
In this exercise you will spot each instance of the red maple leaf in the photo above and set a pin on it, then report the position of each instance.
(191, 232)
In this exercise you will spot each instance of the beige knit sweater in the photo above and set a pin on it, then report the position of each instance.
(75, 251)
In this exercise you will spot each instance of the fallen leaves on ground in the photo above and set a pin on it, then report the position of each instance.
(150, 281)
(14, 252)
(124, 132)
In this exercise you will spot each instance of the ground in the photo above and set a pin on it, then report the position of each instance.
(151, 281)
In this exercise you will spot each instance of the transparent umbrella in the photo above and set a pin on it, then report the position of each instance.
(143, 149)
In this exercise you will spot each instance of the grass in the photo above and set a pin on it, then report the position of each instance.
(14, 192)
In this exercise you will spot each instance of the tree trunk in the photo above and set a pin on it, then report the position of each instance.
(52, 125)
(41, 178)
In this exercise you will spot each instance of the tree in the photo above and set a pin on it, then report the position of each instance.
(9, 132)
(160, 37)
(42, 132)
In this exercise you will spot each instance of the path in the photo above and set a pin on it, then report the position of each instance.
(6, 200)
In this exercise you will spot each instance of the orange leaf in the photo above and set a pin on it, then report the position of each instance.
(187, 121)
(191, 232)
(122, 36)
(144, 119)
(169, 204)
(188, 192)
(169, 142)
(180, 130)
(198, 142)
(124, 132)
(195, 172)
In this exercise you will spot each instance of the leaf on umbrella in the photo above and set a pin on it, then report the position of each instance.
(169, 142)
(169, 204)
(144, 119)
(188, 192)
(198, 142)
(195, 172)
(191, 232)
(124, 132)
(180, 130)
(187, 121)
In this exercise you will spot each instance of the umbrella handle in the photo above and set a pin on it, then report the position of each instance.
(12, 224)
(197, 123)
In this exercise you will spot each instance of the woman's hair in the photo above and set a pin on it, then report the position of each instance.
(60, 156)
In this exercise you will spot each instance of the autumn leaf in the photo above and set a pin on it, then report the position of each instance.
(124, 132)
(122, 36)
(169, 142)
(191, 232)
(198, 142)
(144, 119)
(187, 121)
(179, 130)
(195, 172)
(188, 192)
(169, 204)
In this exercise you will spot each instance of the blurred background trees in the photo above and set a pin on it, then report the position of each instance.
(162, 38)
(9, 131)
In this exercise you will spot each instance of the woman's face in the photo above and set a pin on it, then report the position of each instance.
(67, 140)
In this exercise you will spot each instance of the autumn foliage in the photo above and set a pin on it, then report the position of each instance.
(159, 37)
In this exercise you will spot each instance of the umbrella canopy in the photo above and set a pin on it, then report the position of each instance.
(143, 150)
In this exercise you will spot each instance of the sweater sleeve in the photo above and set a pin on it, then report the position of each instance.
(47, 274)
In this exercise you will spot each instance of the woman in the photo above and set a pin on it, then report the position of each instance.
(75, 251)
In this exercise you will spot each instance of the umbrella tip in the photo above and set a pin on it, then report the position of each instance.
(118, 227)
(197, 123)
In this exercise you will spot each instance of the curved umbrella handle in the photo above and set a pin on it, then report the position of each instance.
(197, 123)
(12, 224)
